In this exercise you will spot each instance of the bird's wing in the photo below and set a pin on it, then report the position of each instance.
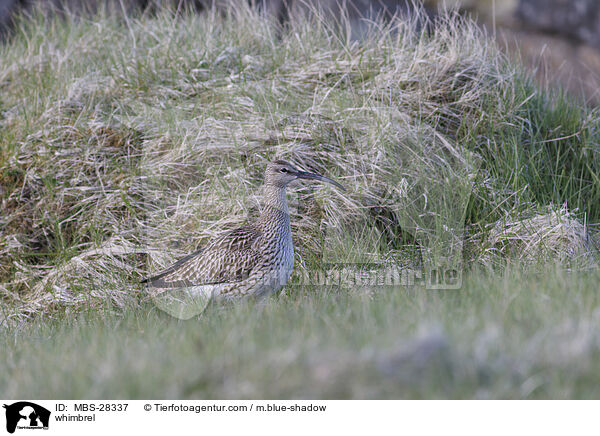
(228, 258)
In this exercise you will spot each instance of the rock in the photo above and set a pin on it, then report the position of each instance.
(358, 12)
(556, 61)
(7, 8)
(577, 19)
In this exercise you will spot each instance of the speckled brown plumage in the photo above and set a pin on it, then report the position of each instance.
(255, 260)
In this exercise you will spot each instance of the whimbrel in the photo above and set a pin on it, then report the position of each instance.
(253, 260)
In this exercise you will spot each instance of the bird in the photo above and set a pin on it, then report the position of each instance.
(254, 260)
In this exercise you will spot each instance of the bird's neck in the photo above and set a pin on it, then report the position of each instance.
(275, 207)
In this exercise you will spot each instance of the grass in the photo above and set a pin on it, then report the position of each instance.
(128, 142)
(512, 336)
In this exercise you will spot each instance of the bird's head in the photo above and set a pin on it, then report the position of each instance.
(280, 173)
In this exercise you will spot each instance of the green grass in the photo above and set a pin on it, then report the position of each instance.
(517, 336)
(127, 143)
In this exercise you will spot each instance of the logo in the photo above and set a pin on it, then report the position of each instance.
(26, 415)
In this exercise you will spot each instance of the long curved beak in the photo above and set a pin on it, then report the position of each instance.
(313, 176)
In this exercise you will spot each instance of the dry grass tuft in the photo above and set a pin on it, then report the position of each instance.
(553, 236)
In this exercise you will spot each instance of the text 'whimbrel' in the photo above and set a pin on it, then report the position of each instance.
(253, 260)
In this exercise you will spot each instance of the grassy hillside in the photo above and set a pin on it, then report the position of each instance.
(126, 143)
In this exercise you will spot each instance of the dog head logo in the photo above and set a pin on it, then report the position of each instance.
(26, 415)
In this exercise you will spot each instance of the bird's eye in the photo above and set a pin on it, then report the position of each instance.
(284, 170)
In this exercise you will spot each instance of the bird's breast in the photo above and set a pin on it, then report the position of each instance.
(288, 257)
